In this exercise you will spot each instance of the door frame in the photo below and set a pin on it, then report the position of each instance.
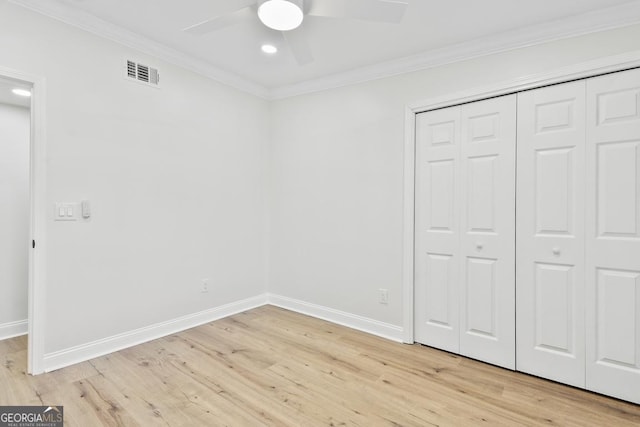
(578, 71)
(37, 221)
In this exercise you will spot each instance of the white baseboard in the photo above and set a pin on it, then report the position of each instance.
(13, 329)
(353, 321)
(84, 352)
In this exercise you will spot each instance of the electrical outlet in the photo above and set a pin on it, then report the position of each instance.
(383, 296)
(205, 286)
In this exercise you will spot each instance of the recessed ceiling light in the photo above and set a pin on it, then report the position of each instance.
(269, 48)
(21, 92)
(281, 15)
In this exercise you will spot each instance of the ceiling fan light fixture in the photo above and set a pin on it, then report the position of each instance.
(281, 15)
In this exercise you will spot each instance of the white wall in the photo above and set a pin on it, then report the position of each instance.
(336, 171)
(14, 217)
(175, 176)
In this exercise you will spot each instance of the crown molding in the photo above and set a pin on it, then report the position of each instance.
(591, 22)
(99, 27)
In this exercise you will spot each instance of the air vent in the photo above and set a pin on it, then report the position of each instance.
(131, 69)
(142, 73)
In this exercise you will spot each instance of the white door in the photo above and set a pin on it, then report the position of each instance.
(464, 248)
(437, 245)
(487, 231)
(550, 233)
(613, 235)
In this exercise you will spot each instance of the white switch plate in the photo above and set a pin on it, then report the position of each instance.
(66, 211)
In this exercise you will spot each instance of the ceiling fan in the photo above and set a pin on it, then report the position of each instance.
(284, 17)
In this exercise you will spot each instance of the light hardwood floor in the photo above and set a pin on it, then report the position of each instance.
(270, 366)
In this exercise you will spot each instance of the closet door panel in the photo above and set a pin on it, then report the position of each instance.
(487, 272)
(550, 233)
(613, 235)
(437, 246)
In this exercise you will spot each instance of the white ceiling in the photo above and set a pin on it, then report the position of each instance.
(339, 46)
(8, 97)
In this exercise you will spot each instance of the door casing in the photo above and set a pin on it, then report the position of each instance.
(37, 222)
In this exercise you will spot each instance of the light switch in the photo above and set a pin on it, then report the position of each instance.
(66, 211)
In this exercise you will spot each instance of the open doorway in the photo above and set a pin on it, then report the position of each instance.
(15, 141)
(22, 213)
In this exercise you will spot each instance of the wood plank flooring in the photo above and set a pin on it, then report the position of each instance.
(273, 367)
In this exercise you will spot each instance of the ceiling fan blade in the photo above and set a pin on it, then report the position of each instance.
(214, 24)
(390, 11)
(298, 45)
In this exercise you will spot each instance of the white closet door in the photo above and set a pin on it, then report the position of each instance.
(487, 224)
(437, 246)
(550, 234)
(613, 235)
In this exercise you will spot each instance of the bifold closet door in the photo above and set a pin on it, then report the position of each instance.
(437, 239)
(464, 248)
(550, 233)
(487, 231)
(613, 235)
